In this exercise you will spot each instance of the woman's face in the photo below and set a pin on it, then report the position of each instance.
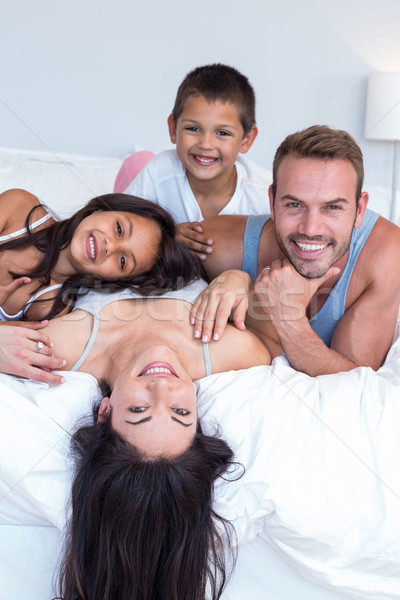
(153, 405)
(114, 245)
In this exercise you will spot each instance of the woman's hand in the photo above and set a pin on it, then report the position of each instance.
(210, 313)
(7, 290)
(191, 236)
(27, 352)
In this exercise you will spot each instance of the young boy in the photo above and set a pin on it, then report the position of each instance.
(212, 123)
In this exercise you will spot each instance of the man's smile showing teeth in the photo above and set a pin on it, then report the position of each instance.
(311, 247)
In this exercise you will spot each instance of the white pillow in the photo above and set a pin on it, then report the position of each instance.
(64, 182)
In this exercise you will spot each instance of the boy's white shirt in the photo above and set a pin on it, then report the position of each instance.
(163, 180)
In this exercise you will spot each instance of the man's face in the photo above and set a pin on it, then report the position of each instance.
(314, 212)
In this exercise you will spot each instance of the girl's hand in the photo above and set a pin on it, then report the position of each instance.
(210, 313)
(7, 290)
(27, 352)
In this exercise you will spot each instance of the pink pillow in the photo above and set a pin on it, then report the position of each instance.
(130, 168)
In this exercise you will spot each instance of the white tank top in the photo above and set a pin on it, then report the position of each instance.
(94, 302)
(4, 238)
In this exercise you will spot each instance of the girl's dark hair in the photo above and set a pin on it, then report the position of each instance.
(174, 267)
(145, 529)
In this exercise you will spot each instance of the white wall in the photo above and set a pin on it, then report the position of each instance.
(98, 77)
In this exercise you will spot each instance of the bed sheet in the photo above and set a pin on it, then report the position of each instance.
(317, 512)
(283, 561)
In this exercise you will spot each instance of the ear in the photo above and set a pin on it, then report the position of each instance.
(172, 129)
(271, 203)
(361, 208)
(248, 140)
(103, 410)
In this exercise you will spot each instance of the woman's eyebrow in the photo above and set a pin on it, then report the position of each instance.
(146, 419)
(181, 422)
(139, 422)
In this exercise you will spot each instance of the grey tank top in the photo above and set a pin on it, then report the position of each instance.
(94, 302)
(325, 320)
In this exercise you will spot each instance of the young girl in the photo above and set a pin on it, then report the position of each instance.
(115, 241)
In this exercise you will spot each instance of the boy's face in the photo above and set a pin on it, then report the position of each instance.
(208, 138)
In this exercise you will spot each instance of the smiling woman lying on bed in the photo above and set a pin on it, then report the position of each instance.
(142, 495)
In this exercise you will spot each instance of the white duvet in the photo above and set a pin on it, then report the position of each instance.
(321, 486)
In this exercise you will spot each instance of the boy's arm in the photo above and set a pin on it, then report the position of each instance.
(191, 235)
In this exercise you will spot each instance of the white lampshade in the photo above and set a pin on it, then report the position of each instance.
(383, 107)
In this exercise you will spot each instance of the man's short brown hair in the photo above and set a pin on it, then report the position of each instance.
(319, 141)
(219, 82)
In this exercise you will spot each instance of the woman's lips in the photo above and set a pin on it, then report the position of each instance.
(158, 369)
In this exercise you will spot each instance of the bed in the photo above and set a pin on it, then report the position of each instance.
(317, 511)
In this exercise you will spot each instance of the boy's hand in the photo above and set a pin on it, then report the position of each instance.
(191, 236)
(211, 310)
(7, 290)
(20, 354)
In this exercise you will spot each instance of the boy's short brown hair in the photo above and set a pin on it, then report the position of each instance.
(219, 82)
(319, 141)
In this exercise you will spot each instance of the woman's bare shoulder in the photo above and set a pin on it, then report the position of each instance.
(14, 207)
(238, 350)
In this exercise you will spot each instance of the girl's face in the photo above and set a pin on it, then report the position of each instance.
(114, 245)
(153, 405)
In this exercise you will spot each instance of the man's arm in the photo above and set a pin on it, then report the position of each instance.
(364, 333)
(226, 232)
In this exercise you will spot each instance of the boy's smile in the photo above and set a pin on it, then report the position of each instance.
(208, 138)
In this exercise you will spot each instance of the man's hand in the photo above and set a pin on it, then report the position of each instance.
(211, 310)
(20, 355)
(191, 236)
(284, 294)
(7, 290)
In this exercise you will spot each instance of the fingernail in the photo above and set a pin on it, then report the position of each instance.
(204, 338)
(62, 380)
(203, 256)
(197, 334)
(216, 337)
(64, 362)
(209, 242)
(209, 250)
(192, 320)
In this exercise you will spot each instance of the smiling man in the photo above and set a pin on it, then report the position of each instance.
(326, 269)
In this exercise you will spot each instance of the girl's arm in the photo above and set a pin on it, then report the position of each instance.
(7, 290)
(14, 208)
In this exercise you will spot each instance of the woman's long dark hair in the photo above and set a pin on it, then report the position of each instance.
(175, 267)
(145, 529)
